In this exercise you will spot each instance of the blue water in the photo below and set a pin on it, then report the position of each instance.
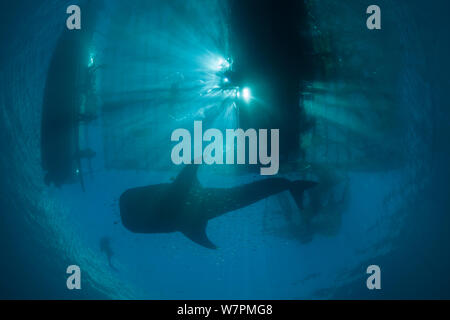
(380, 152)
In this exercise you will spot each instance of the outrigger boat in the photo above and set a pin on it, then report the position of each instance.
(61, 111)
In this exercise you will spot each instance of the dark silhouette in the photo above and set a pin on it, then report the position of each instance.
(273, 55)
(105, 247)
(61, 107)
(186, 206)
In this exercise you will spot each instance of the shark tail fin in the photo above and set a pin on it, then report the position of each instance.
(297, 189)
(198, 235)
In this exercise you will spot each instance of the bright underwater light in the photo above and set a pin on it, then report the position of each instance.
(91, 60)
(222, 64)
(246, 94)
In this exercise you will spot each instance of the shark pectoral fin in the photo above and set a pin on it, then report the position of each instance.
(198, 235)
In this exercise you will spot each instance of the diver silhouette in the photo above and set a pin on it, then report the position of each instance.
(105, 247)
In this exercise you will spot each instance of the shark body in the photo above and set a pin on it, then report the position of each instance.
(185, 206)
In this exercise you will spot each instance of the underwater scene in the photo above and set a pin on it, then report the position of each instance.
(224, 149)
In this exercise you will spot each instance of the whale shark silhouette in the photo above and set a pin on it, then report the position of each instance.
(186, 206)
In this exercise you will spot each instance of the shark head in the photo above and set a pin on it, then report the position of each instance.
(145, 210)
(164, 208)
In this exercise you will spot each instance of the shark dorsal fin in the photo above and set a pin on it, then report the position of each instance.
(187, 176)
(198, 234)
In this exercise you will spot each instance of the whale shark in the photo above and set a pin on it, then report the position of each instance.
(185, 206)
